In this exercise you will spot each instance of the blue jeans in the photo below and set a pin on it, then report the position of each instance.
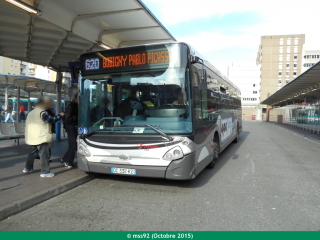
(68, 158)
(22, 116)
(43, 151)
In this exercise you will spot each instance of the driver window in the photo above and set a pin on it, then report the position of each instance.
(200, 100)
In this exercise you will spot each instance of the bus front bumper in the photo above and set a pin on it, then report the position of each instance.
(181, 169)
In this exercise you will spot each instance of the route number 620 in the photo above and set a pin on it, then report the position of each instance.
(92, 64)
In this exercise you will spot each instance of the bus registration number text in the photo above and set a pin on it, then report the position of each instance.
(123, 171)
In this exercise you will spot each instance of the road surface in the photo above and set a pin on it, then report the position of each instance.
(269, 180)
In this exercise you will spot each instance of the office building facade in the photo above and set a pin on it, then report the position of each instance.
(247, 78)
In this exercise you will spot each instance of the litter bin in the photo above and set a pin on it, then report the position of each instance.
(253, 117)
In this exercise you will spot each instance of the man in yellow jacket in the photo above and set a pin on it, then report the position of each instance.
(38, 134)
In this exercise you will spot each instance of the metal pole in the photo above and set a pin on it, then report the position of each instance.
(58, 107)
(29, 103)
(18, 105)
(305, 100)
(41, 92)
(6, 102)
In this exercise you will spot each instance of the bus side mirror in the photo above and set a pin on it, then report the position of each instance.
(203, 79)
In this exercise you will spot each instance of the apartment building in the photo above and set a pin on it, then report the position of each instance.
(309, 58)
(280, 60)
(9, 66)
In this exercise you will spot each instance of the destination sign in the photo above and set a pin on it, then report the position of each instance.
(125, 59)
(136, 59)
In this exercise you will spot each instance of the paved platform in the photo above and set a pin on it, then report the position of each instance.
(298, 131)
(17, 187)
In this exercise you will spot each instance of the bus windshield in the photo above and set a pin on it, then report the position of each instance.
(129, 102)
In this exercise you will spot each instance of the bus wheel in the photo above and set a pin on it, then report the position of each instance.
(237, 137)
(216, 153)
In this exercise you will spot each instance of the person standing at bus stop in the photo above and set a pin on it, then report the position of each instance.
(70, 124)
(22, 113)
(38, 135)
(9, 113)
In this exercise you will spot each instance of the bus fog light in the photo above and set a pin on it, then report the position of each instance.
(83, 151)
(176, 152)
(173, 154)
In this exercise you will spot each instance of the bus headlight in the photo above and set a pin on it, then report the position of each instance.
(83, 151)
(173, 154)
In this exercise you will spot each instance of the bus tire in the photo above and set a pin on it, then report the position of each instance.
(215, 154)
(237, 137)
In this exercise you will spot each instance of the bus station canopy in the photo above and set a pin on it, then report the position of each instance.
(54, 32)
(28, 84)
(306, 85)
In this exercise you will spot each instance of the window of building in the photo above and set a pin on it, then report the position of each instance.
(295, 57)
(280, 65)
(287, 65)
(288, 41)
(287, 74)
(287, 80)
(281, 41)
(11, 68)
(288, 58)
(318, 56)
(296, 41)
(11, 60)
(288, 49)
(281, 49)
(255, 92)
(15, 68)
(280, 74)
(294, 73)
(48, 71)
(15, 61)
(279, 81)
(280, 58)
(254, 85)
(295, 65)
(295, 49)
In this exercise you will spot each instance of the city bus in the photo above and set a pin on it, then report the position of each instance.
(158, 110)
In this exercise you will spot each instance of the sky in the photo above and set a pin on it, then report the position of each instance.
(230, 30)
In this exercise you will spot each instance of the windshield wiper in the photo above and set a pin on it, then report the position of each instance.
(152, 127)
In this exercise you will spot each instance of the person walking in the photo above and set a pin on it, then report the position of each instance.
(38, 135)
(9, 113)
(22, 113)
(70, 124)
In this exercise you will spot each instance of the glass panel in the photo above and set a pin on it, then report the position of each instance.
(159, 96)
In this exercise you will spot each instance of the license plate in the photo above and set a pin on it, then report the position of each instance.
(123, 171)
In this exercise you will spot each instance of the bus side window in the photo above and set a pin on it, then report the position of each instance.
(201, 105)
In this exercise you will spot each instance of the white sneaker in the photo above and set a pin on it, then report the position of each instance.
(47, 175)
(27, 170)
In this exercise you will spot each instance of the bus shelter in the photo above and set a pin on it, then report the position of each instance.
(54, 33)
(21, 89)
(298, 102)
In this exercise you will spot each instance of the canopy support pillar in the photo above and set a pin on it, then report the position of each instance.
(18, 105)
(58, 106)
(29, 103)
